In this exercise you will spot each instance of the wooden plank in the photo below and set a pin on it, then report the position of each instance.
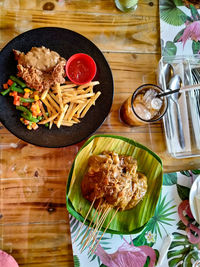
(38, 199)
(44, 245)
(150, 136)
(26, 160)
(114, 31)
(144, 8)
(131, 70)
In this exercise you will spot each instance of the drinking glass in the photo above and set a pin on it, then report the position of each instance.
(144, 106)
(126, 5)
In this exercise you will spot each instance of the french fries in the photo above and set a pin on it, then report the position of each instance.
(67, 104)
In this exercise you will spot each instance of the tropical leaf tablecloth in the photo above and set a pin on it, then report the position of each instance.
(172, 216)
(180, 27)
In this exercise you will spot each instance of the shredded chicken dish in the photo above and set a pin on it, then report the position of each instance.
(113, 179)
(40, 68)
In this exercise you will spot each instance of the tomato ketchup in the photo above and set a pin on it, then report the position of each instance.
(80, 68)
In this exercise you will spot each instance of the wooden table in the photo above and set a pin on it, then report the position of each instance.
(34, 222)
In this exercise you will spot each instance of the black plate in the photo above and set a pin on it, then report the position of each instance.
(66, 43)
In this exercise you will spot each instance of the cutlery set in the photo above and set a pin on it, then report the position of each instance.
(182, 120)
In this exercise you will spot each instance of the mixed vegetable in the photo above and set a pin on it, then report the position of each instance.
(26, 100)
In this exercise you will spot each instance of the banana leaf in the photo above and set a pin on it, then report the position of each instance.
(125, 222)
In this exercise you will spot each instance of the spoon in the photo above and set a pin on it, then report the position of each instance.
(167, 72)
(174, 84)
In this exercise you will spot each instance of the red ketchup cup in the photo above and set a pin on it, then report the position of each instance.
(80, 68)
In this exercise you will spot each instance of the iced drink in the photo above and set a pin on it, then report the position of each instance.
(143, 106)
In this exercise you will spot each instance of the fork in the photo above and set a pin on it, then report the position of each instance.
(196, 80)
(195, 105)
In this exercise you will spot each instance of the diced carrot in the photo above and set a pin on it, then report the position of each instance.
(33, 106)
(34, 126)
(5, 86)
(34, 114)
(9, 82)
(26, 95)
(14, 93)
(35, 109)
(16, 101)
(26, 122)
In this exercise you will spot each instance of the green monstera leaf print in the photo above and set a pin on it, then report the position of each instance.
(196, 47)
(183, 192)
(179, 249)
(171, 14)
(169, 49)
(190, 173)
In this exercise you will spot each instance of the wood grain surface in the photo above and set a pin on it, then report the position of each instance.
(34, 223)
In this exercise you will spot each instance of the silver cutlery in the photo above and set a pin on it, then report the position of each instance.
(196, 80)
(174, 84)
(165, 73)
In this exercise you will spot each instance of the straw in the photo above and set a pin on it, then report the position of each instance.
(168, 93)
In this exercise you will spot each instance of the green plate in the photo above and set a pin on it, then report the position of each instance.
(125, 222)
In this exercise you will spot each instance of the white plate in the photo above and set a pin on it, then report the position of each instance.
(194, 191)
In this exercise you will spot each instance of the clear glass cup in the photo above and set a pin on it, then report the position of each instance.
(126, 5)
(144, 106)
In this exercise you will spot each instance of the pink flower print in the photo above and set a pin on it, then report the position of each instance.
(127, 255)
(192, 31)
(7, 260)
(193, 232)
